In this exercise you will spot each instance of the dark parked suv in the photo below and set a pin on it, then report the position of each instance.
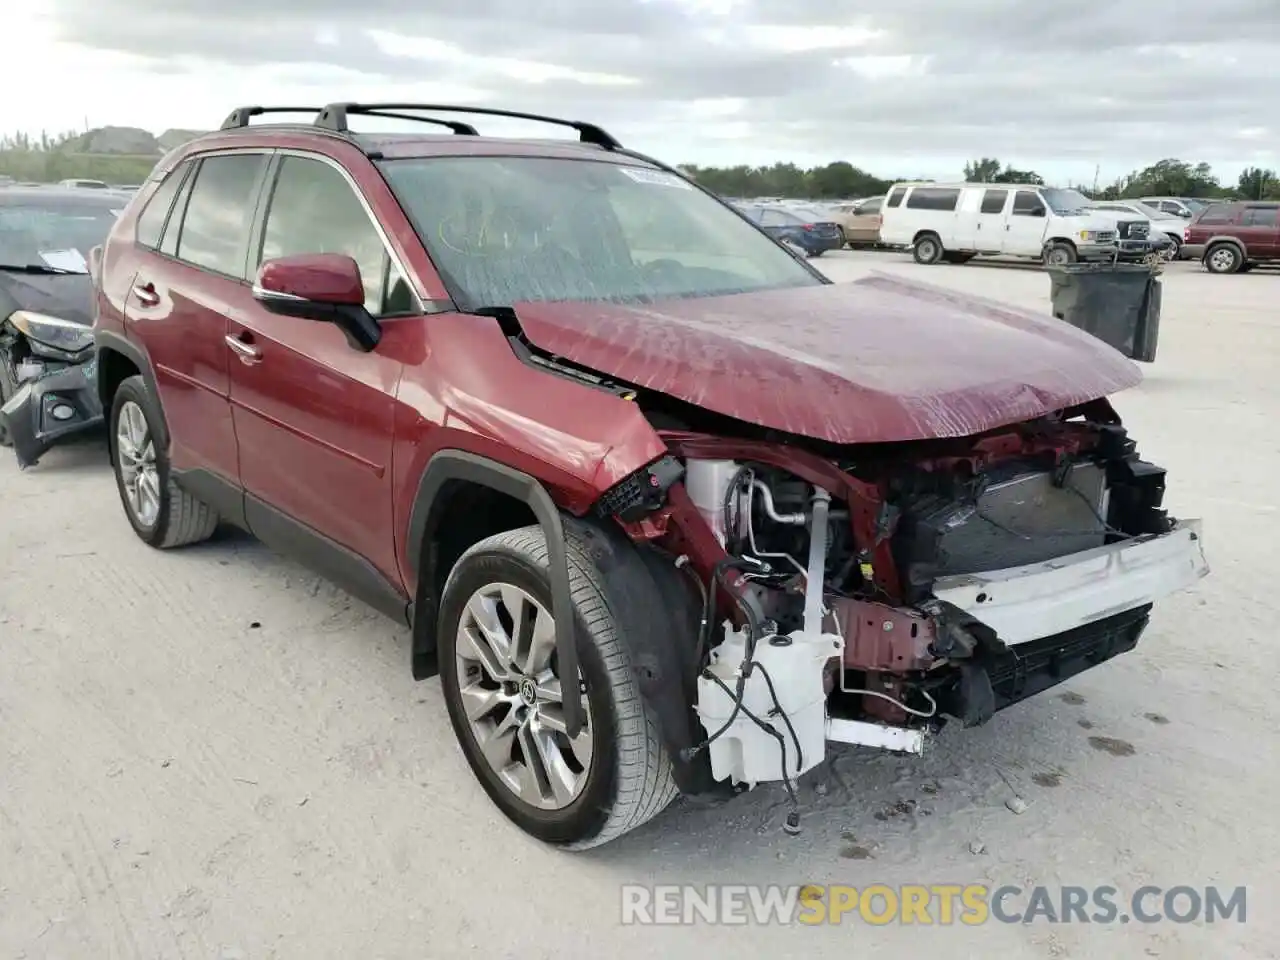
(664, 508)
(1234, 236)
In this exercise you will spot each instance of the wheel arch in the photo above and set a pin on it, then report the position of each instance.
(118, 359)
(450, 473)
(1220, 239)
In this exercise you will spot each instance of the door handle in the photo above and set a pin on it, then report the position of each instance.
(145, 294)
(247, 352)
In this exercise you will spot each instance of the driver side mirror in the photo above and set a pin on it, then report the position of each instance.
(325, 287)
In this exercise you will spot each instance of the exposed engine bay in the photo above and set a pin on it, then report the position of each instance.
(867, 601)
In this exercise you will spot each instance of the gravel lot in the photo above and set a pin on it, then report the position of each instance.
(212, 753)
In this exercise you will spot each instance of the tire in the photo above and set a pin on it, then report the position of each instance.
(8, 386)
(844, 241)
(1059, 255)
(162, 514)
(626, 778)
(1176, 253)
(1223, 258)
(813, 255)
(927, 249)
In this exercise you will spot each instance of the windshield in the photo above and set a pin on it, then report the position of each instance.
(1065, 203)
(506, 229)
(56, 233)
(1195, 206)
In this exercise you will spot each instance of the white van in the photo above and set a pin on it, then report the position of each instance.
(958, 221)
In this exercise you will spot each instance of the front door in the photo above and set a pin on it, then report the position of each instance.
(1025, 225)
(314, 416)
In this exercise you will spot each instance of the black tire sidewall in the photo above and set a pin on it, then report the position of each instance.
(135, 389)
(589, 813)
(8, 387)
(927, 243)
(1208, 258)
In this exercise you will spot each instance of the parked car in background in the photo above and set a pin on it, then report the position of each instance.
(82, 184)
(1162, 224)
(1234, 236)
(808, 228)
(957, 221)
(48, 386)
(859, 221)
(1184, 207)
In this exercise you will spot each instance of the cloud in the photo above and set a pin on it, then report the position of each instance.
(912, 85)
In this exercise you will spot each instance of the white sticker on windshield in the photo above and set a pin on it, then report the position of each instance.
(65, 260)
(659, 178)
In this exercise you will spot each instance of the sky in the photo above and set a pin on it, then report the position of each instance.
(903, 88)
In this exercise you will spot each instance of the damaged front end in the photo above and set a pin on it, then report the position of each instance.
(867, 598)
(49, 369)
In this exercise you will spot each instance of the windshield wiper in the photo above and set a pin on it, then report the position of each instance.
(40, 268)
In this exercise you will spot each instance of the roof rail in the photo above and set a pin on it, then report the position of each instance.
(334, 117)
(240, 116)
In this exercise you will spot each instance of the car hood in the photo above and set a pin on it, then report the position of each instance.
(881, 359)
(65, 295)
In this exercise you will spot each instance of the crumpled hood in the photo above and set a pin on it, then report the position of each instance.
(65, 295)
(881, 359)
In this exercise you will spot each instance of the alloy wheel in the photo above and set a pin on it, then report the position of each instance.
(136, 457)
(1222, 260)
(512, 695)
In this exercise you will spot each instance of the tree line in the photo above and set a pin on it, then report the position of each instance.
(840, 180)
(48, 159)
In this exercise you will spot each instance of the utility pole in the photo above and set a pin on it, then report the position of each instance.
(1097, 170)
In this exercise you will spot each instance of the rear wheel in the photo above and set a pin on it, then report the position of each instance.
(505, 695)
(1175, 252)
(161, 513)
(927, 249)
(1223, 258)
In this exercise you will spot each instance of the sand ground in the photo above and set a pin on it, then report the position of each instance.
(212, 753)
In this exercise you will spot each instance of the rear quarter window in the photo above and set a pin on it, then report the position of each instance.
(933, 198)
(895, 197)
(156, 212)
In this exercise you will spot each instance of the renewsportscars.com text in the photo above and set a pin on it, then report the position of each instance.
(928, 904)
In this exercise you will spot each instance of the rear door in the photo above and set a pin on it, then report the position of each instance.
(1025, 225)
(1260, 232)
(313, 415)
(186, 289)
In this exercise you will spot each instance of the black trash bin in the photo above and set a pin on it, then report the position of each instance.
(1119, 303)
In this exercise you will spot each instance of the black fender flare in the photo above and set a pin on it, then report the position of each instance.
(446, 465)
(657, 617)
(110, 340)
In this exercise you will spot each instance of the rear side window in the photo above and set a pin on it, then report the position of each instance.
(1259, 217)
(152, 219)
(1216, 213)
(993, 201)
(871, 206)
(219, 215)
(895, 198)
(933, 198)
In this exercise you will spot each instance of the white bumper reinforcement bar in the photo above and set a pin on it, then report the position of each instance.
(1042, 599)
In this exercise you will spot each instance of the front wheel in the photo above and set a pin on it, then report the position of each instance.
(1060, 255)
(8, 387)
(161, 513)
(505, 696)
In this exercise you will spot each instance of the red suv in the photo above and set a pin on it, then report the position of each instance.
(665, 509)
(1234, 236)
